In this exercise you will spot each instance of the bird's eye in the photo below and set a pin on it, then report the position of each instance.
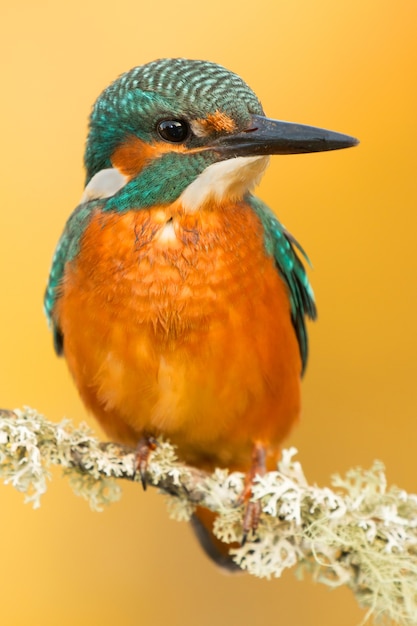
(173, 131)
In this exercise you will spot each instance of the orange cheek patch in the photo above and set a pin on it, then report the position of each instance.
(131, 156)
(217, 122)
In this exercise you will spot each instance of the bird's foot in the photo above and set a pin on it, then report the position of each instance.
(250, 520)
(252, 510)
(145, 446)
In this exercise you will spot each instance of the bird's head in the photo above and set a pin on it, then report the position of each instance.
(178, 127)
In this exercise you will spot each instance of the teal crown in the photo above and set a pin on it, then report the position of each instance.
(167, 88)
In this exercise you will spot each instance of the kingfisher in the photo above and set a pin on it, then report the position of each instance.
(176, 296)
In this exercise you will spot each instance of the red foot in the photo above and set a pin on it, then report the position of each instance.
(145, 446)
(253, 510)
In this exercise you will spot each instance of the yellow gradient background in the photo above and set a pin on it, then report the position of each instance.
(348, 66)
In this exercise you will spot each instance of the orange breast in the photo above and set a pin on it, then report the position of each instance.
(180, 324)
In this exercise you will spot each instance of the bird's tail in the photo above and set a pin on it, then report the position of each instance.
(202, 524)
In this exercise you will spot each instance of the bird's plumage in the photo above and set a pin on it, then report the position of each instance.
(277, 241)
(176, 296)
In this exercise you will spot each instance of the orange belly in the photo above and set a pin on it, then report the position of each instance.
(179, 324)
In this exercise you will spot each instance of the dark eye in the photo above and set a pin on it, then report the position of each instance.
(174, 131)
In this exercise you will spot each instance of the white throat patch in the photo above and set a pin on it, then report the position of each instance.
(104, 184)
(227, 179)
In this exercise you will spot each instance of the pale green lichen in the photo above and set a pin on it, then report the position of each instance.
(359, 533)
(179, 509)
(30, 445)
(363, 535)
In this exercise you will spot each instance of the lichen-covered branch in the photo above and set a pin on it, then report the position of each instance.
(359, 533)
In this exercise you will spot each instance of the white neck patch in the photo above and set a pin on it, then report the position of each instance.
(226, 179)
(104, 184)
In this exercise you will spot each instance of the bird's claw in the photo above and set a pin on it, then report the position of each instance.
(252, 510)
(145, 446)
(251, 517)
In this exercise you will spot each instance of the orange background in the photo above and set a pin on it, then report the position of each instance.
(349, 66)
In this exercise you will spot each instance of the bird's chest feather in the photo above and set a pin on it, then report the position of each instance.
(171, 319)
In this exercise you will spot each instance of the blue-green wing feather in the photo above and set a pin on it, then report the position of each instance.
(282, 246)
(66, 250)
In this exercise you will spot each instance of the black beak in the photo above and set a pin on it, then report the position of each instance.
(265, 136)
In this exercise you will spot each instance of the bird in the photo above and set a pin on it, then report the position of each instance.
(178, 299)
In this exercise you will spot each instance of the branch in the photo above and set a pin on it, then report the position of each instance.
(360, 533)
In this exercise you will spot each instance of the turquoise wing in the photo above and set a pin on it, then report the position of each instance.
(66, 250)
(283, 247)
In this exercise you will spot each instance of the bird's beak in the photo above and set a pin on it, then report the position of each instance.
(265, 136)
